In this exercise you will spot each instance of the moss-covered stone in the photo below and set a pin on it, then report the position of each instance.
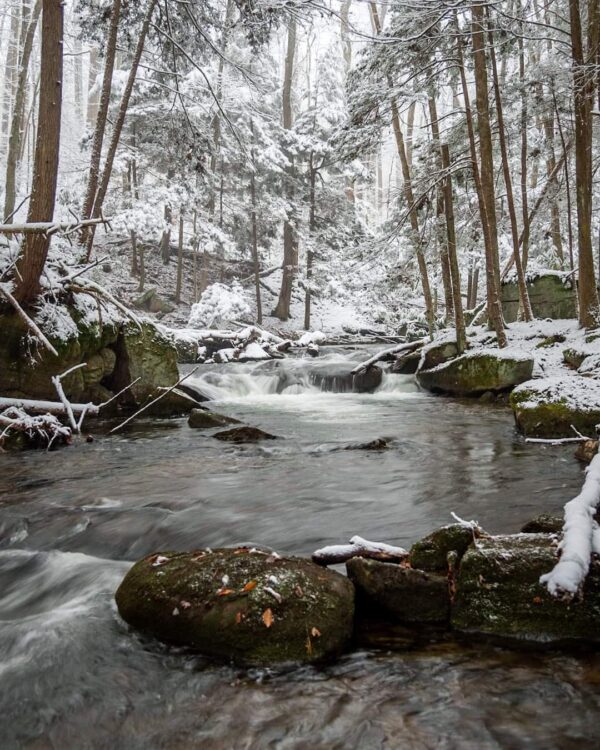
(431, 552)
(551, 296)
(408, 595)
(247, 605)
(436, 353)
(557, 338)
(476, 372)
(407, 364)
(499, 593)
(574, 357)
(204, 419)
(548, 408)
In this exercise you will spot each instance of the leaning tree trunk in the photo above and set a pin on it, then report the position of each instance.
(312, 226)
(290, 242)
(31, 260)
(18, 115)
(101, 118)
(120, 120)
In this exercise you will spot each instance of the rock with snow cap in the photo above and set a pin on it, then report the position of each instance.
(245, 604)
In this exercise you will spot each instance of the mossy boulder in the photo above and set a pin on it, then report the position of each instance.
(499, 593)
(547, 408)
(574, 357)
(434, 354)
(407, 364)
(405, 594)
(431, 552)
(204, 419)
(478, 371)
(152, 302)
(247, 605)
(550, 293)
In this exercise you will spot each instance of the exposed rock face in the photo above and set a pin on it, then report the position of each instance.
(115, 355)
(407, 364)
(551, 296)
(478, 371)
(435, 354)
(499, 593)
(431, 552)
(250, 606)
(339, 379)
(547, 408)
(203, 419)
(151, 301)
(410, 596)
(543, 524)
(244, 435)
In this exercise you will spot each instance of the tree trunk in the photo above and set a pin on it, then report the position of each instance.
(16, 128)
(93, 101)
(312, 225)
(179, 260)
(459, 320)
(165, 240)
(118, 126)
(486, 175)
(135, 266)
(100, 128)
(31, 260)
(290, 242)
(583, 90)
(525, 304)
(10, 72)
(524, 154)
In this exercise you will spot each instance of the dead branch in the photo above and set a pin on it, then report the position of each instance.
(27, 320)
(359, 547)
(407, 346)
(50, 227)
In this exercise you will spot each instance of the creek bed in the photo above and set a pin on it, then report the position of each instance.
(72, 674)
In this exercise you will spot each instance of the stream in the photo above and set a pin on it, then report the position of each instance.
(72, 675)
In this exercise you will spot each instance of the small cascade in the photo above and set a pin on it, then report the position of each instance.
(295, 377)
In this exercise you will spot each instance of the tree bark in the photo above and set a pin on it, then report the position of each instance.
(18, 115)
(312, 226)
(93, 100)
(179, 260)
(583, 91)
(32, 257)
(290, 241)
(100, 127)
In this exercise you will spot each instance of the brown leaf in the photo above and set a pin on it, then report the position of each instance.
(315, 632)
(238, 617)
(249, 586)
(267, 617)
(225, 592)
(537, 599)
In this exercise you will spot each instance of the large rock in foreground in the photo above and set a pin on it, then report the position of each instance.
(247, 605)
(499, 593)
(478, 371)
(547, 408)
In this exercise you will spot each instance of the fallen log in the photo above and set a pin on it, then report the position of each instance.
(359, 547)
(46, 407)
(407, 346)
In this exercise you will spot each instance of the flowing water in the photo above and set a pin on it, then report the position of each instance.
(73, 676)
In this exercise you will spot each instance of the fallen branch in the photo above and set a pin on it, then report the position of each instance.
(359, 547)
(90, 286)
(27, 320)
(581, 537)
(407, 346)
(49, 227)
(56, 381)
(44, 407)
(158, 398)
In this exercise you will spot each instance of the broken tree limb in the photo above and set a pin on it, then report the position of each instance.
(49, 227)
(407, 346)
(27, 320)
(87, 285)
(359, 547)
(56, 381)
(43, 407)
(158, 398)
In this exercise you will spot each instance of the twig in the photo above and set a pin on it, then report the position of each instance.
(56, 380)
(127, 387)
(158, 398)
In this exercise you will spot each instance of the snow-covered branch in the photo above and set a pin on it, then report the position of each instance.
(359, 547)
(581, 537)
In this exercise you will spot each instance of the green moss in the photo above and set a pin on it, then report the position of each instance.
(499, 593)
(475, 373)
(550, 418)
(216, 602)
(431, 552)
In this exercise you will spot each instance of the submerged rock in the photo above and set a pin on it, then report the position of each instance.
(408, 595)
(247, 605)
(204, 419)
(478, 371)
(244, 435)
(547, 408)
(338, 379)
(431, 552)
(373, 445)
(499, 593)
